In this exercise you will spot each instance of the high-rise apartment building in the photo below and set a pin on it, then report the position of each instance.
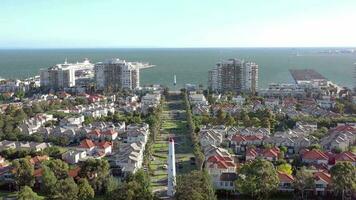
(116, 74)
(234, 75)
(63, 75)
(57, 77)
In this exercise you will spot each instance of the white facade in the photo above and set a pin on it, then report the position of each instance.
(171, 169)
(62, 75)
(117, 74)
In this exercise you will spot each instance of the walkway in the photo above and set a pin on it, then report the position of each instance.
(173, 125)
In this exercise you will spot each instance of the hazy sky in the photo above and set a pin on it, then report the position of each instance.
(176, 23)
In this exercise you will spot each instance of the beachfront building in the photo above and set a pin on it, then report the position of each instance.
(63, 75)
(308, 76)
(116, 74)
(234, 75)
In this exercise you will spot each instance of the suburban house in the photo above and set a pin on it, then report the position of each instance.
(197, 99)
(130, 157)
(36, 146)
(32, 125)
(315, 156)
(340, 137)
(285, 181)
(74, 156)
(210, 137)
(98, 149)
(270, 154)
(240, 142)
(322, 182)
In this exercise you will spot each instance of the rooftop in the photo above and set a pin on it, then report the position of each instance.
(305, 74)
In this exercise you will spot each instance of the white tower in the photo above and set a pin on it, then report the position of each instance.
(171, 169)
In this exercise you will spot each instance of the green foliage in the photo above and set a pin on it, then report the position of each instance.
(49, 181)
(195, 185)
(85, 191)
(59, 168)
(96, 171)
(26, 193)
(286, 168)
(135, 187)
(343, 177)
(303, 180)
(111, 184)
(23, 172)
(66, 189)
(257, 179)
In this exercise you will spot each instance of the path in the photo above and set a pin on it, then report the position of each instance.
(173, 125)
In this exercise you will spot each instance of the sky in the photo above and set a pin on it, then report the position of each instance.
(177, 23)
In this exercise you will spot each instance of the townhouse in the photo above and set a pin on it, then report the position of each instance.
(340, 137)
(36, 146)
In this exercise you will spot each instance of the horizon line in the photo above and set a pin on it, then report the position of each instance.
(196, 47)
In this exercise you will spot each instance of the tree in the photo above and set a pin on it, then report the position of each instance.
(135, 187)
(246, 121)
(23, 172)
(36, 108)
(26, 193)
(95, 171)
(49, 181)
(255, 122)
(85, 191)
(66, 189)
(257, 179)
(59, 168)
(220, 117)
(303, 180)
(111, 184)
(265, 123)
(343, 177)
(195, 185)
(285, 168)
(229, 120)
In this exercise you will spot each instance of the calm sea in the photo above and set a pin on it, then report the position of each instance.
(189, 65)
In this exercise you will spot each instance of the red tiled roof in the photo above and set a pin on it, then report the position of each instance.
(38, 159)
(240, 138)
(346, 156)
(104, 144)
(74, 172)
(344, 128)
(271, 152)
(95, 132)
(221, 162)
(286, 178)
(86, 144)
(315, 154)
(251, 152)
(323, 176)
(110, 132)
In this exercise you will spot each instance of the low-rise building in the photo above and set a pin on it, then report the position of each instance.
(74, 156)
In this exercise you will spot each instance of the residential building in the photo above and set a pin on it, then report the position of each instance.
(74, 156)
(315, 156)
(130, 157)
(198, 99)
(340, 137)
(36, 146)
(117, 74)
(234, 75)
(285, 182)
(58, 77)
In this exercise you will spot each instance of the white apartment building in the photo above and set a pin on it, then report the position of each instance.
(234, 75)
(117, 74)
(62, 75)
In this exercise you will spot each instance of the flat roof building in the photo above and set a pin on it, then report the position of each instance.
(309, 76)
